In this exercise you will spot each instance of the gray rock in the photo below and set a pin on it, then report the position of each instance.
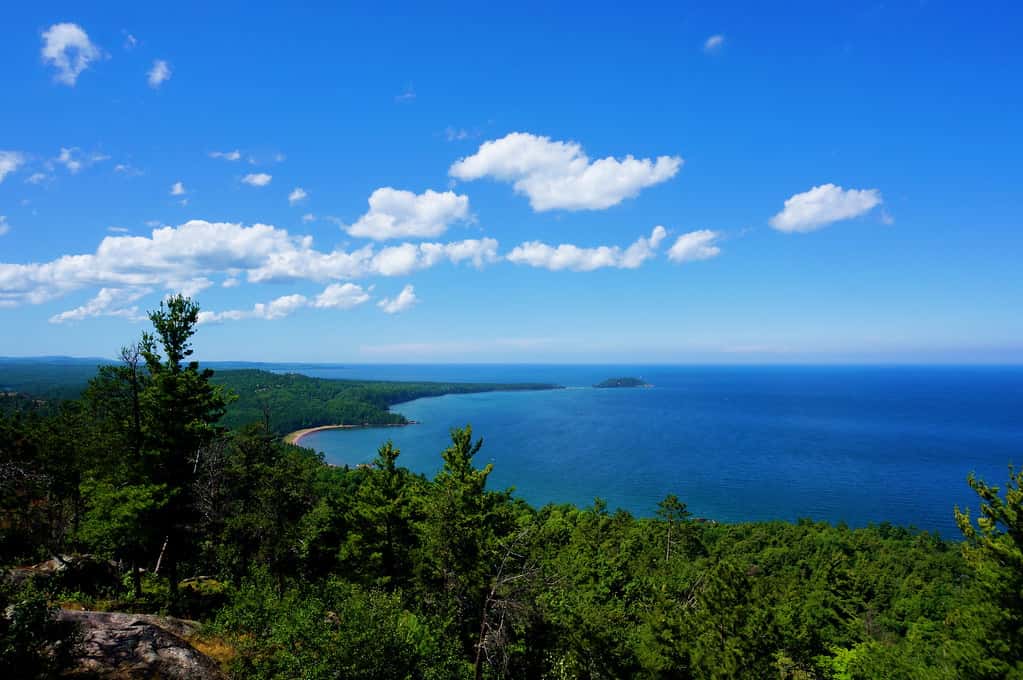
(119, 645)
(86, 573)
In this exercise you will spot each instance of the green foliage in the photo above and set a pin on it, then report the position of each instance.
(33, 643)
(992, 626)
(331, 629)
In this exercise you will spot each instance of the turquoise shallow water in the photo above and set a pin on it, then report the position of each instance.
(849, 444)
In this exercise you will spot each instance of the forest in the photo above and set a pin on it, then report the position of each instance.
(298, 569)
(291, 401)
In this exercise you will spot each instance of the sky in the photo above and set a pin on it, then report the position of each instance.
(640, 183)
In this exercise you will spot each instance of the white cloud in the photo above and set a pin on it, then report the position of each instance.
(9, 162)
(118, 230)
(37, 178)
(183, 258)
(159, 74)
(178, 189)
(130, 41)
(68, 49)
(257, 179)
(4, 227)
(574, 258)
(334, 296)
(108, 302)
(128, 170)
(341, 296)
(714, 43)
(226, 155)
(559, 175)
(308, 217)
(696, 245)
(822, 205)
(402, 214)
(68, 160)
(297, 195)
(399, 303)
(275, 309)
(74, 160)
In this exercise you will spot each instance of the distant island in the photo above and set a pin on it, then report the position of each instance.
(623, 382)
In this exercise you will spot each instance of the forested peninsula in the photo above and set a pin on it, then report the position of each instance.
(290, 401)
(247, 557)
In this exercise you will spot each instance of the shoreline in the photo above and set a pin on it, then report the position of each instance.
(297, 436)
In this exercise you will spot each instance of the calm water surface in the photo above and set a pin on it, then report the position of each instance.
(850, 444)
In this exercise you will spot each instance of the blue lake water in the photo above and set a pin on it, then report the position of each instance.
(844, 444)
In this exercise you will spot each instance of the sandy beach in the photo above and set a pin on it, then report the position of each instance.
(296, 436)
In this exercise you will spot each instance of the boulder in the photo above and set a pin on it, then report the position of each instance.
(116, 646)
(85, 573)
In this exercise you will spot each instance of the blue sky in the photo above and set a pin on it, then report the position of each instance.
(592, 183)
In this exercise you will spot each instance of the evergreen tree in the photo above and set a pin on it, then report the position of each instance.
(994, 548)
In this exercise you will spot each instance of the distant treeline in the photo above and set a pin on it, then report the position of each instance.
(291, 401)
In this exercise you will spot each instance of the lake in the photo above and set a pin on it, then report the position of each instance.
(844, 444)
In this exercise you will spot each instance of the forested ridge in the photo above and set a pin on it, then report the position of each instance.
(298, 569)
(291, 401)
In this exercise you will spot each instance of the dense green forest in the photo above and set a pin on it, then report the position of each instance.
(302, 570)
(292, 401)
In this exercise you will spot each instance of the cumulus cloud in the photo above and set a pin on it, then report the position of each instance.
(308, 217)
(4, 227)
(183, 258)
(297, 195)
(822, 205)
(68, 49)
(227, 155)
(341, 296)
(400, 302)
(257, 179)
(559, 175)
(178, 189)
(159, 74)
(108, 302)
(695, 245)
(334, 296)
(714, 43)
(9, 162)
(402, 214)
(574, 258)
(38, 178)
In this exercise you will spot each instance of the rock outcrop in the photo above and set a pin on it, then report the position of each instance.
(116, 646)
(86, 573)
